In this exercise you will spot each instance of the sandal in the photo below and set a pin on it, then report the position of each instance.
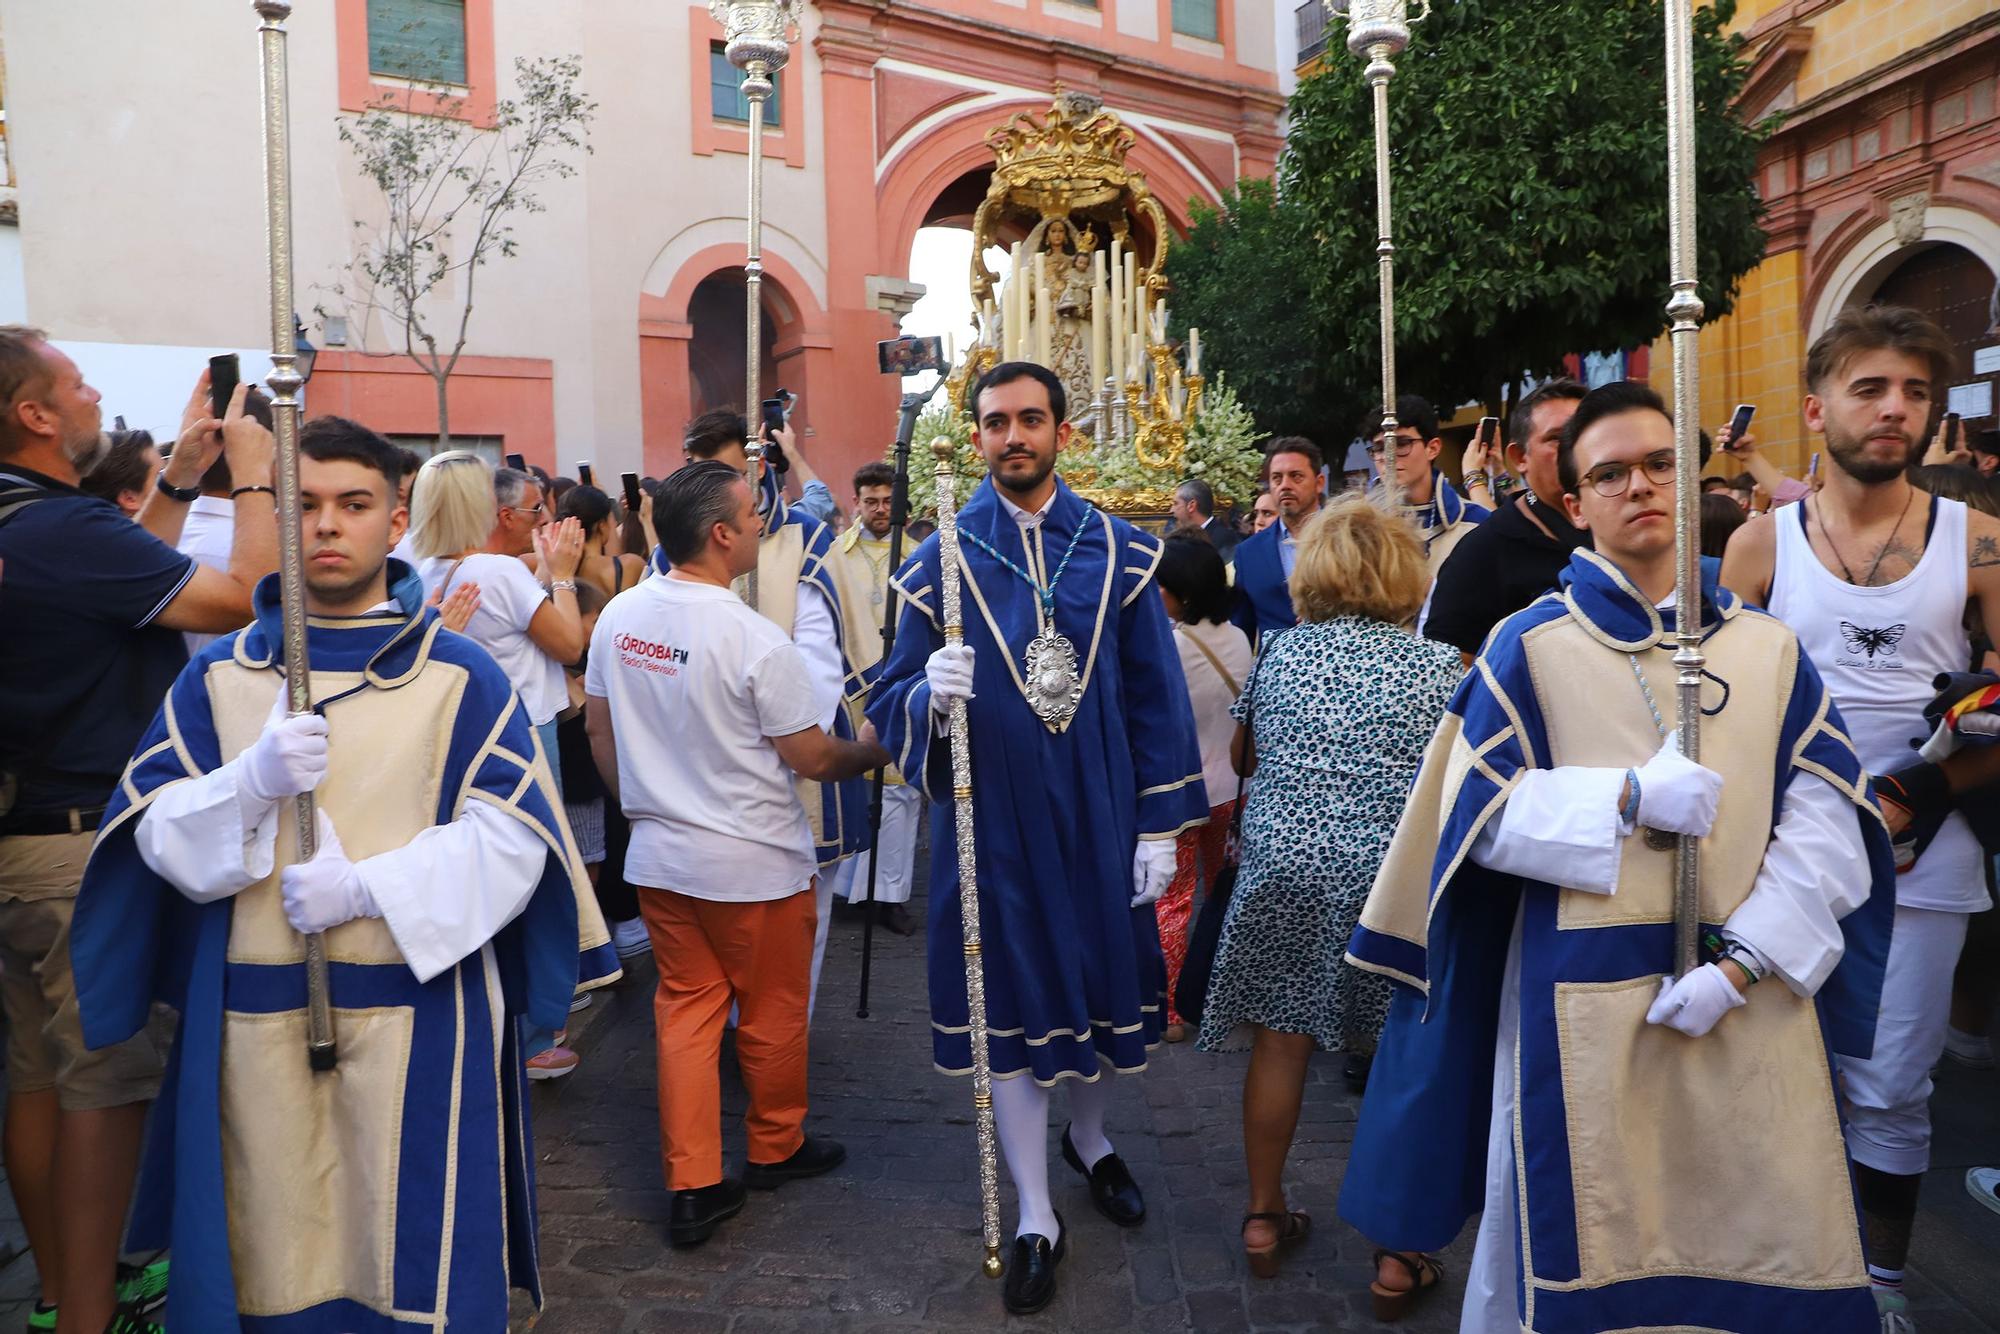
(1424, 1273)
(1292, 1229)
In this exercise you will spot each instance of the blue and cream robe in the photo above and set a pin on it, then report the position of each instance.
(396, 1191)
(1444, 522)
(1657, 1181)
(1074, 974)
(797, 549)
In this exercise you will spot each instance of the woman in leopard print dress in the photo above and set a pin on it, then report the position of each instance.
(1343, 705)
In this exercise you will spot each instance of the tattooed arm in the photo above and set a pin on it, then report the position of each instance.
(1982, 536)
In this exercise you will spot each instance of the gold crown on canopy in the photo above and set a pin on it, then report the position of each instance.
(1073, 156)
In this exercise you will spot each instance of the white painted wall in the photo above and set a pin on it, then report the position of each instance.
(142, 217)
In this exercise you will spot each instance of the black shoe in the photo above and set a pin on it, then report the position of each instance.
(895, 917)
(1355, 1071)
(814, 1157)
(1112, 1188)
(697, 1213)
(1031, 1277)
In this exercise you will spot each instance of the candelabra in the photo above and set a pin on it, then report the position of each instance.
(758, 37)
(1378, 31)
(322, 1051)
(1684, 309)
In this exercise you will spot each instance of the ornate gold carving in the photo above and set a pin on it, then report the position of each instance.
(1068, 164)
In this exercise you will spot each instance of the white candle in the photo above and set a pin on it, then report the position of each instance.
(1194, 351)
(1134, 302)
(1098, 326)
(1017, 307)
(1138, 361)
(1041, 294)
(948, 349)
(1114, 326)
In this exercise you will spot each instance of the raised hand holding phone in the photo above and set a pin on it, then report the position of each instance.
(1477, 463)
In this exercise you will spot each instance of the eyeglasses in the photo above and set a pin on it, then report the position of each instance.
(1404, 444)
(535, 510)
(1612, 480)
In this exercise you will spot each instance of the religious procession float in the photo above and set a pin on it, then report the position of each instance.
(1085, 294)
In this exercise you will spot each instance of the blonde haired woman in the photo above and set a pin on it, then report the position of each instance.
(1341, 707)
(470, 525)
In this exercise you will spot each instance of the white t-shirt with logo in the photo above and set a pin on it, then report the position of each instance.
(509, 597)
(698, 684)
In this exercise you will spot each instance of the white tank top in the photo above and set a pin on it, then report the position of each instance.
(1879, 650)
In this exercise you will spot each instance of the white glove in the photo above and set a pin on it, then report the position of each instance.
(949, 672)
(1152, 870)
(288, 758)
(1696, 1002)
(1676, 794)
(327, 890)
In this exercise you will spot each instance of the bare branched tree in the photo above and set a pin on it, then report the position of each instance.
(451, 189)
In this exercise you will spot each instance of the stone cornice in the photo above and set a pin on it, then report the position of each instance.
(916, 32)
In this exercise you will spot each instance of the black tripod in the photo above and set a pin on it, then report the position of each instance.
(899, 516)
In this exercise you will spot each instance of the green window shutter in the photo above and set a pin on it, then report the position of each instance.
(1198, 18)
(725, 91)
(417, 39)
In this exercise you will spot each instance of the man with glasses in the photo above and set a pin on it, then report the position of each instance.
(1682, 1162)
(1263, 565)
(523, 509)
(1521, 551)
(1442, 516)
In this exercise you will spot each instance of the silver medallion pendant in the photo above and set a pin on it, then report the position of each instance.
(1662, 840)
(1052, 681)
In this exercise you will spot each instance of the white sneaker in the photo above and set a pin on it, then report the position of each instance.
(1983, 1184)
(1971, 1050)
(629, 938)
(1894, 1307)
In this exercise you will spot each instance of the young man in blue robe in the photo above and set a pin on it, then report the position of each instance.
(1085, 766)
(1645, 1156)
(795, 591)
(395, 1191)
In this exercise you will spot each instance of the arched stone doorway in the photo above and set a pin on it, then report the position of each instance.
(1951, 285)
(691, 345)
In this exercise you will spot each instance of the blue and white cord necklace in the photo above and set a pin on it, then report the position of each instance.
(1052, 682)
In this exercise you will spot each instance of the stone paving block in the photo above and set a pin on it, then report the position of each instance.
(890, 1242)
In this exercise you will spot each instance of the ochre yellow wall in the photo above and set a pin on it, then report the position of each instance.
(1753, 355)
(1855, 36)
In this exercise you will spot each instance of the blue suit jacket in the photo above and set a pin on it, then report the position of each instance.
(1263, 601)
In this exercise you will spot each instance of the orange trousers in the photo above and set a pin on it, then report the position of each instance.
(757, 956)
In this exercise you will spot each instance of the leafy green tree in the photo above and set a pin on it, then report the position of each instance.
(1529, 151)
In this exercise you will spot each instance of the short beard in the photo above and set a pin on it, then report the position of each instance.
(1022, 488)
(84, 454)
(1849, 457)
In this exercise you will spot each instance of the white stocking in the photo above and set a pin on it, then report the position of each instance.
(1021, 1114)
(1087, 1105)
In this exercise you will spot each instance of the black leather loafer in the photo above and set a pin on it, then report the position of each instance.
(813, 1157)
(1112, 1188)
(697, 1213)
(1031, 1275)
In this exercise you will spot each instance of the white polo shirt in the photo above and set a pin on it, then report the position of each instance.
(698, 684)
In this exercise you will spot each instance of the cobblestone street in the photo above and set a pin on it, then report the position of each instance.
(890, 1240)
